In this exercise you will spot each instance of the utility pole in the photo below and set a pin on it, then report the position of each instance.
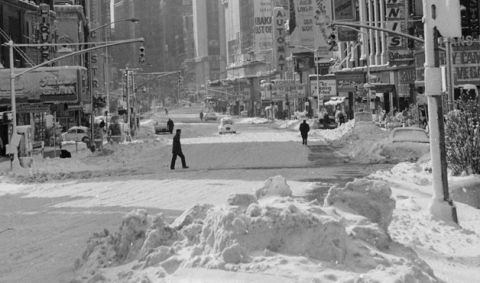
(435, 20)
(127, 75)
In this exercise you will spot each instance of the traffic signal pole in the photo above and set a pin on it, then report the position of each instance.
(441, 206)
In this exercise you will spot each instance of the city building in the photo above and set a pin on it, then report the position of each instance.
(209, 40)
(376, 70)
(248, 33)
(24, 22)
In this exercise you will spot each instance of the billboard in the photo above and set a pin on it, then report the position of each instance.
(262, 25)
(310, 27)
(48, 84)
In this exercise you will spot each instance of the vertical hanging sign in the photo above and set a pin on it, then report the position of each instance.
(279, 33)
(45, 31)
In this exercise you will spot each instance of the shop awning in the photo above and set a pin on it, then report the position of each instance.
(335, 100)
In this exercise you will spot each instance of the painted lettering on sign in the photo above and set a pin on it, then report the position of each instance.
(262, 25)
(395, 13)
(279, 44)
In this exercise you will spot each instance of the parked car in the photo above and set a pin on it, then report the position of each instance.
(226, 126)
(77, 134)
(161, 127)
(210, 116)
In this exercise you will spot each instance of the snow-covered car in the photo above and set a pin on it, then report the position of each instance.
(210, 116)
(161, 127)
(226, 126)
(77, 134)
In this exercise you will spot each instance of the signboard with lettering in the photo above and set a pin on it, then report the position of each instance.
(311, 28)
(350, 81)
(465, 60)
(50, 84)
(279, 43)
(327, 86)
(396, 13)
(262, 25)
(344, 10)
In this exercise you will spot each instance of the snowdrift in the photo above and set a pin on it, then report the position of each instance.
(270, 233)
(365, 142)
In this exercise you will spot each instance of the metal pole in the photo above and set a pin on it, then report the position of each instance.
(369, 90)
(318, 84)
(14, 104)
(128, 100)
(92, 114)
(449, 74)
(441, 206)
(12, 86)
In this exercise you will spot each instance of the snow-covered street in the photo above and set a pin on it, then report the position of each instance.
(48, 212)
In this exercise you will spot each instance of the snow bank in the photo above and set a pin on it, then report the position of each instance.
(281, 236)
(253, 120)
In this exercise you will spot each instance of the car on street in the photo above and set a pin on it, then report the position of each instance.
(226, 126)
(210, 116)
(161, 127)
(76, 134)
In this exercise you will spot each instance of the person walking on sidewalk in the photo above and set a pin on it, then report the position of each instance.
(177, 151)
(304, 129)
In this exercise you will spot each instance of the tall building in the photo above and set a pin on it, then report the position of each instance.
(209, 39)
(188, 67)
(249, 46)
(98, 15)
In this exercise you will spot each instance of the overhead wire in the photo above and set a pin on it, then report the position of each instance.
(20, 51)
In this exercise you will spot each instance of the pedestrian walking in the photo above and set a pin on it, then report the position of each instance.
(201, 115)
(177, 151)
(166, 111)
(170, 125)
(304, 129)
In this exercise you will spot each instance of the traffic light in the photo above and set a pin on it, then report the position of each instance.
(141, 59)
(332, 42)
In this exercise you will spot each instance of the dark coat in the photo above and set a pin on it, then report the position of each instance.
(170, 125)
(177, 147)
(304, 128)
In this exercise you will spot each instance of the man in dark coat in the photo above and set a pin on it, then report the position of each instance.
(170, 125)
(304, 129)
(177, 151)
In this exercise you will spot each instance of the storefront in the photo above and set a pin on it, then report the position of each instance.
(350, 85)
(45, 91)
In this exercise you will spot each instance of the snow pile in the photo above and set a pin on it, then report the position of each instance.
(274, 186)
(275, 235)
(253, 120)
(366, 142)
(452, 250)
(332, 135)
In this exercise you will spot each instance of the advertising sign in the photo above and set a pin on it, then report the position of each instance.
(279, 43)
(310, 29)
(262, 27)
(396, 13)
(344, 10)
(49, 84)
(327, 86)
(465, 61)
